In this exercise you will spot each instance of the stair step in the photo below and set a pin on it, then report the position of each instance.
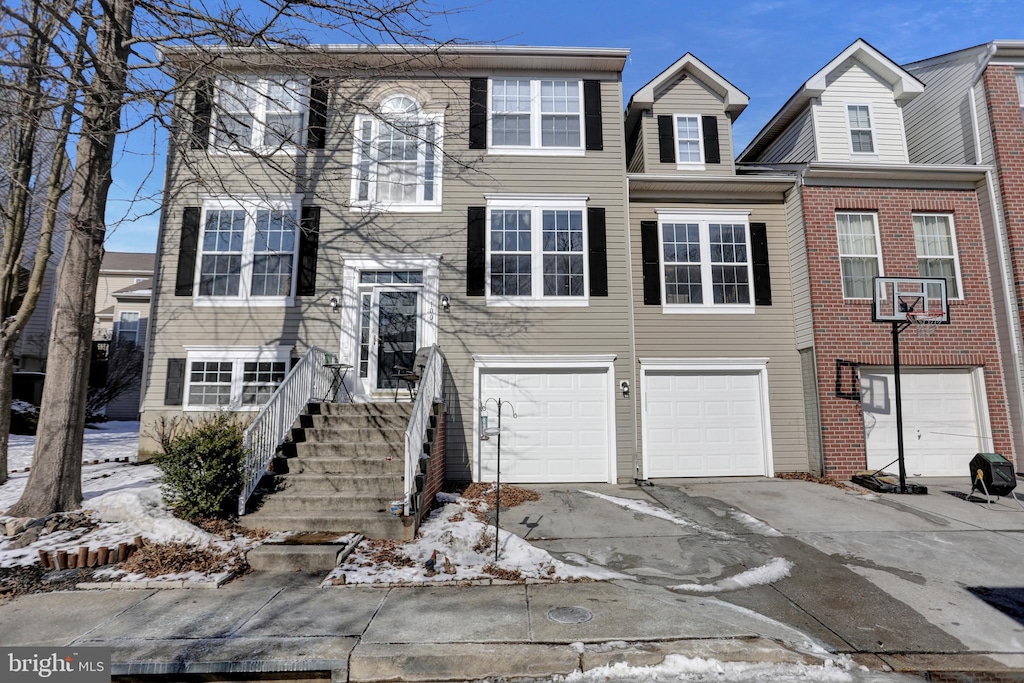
(286, 501)
(370, 524)
(374, 467)
(354, 421)
(355, 409)
(343, 434)
(293, 558)
(318, 482)
(313, 449)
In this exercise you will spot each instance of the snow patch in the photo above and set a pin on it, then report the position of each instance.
(679, 668)
(646, 508)
(754, 524)
(144, 509)
(776, 568)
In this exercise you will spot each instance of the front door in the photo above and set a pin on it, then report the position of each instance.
(389, 335)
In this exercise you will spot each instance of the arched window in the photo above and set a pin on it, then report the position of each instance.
(396, 158)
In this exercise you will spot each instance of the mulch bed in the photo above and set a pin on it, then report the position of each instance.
(15, 581)
(806, 476)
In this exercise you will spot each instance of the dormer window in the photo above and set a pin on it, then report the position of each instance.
(688, 139)
(861, 136)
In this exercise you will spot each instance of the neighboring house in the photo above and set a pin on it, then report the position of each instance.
(971, 113)
(131, 322)
(719, 373)
(120, 271)
(863, 207)
(472, 197)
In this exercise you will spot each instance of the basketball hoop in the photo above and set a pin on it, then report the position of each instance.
(925, 323)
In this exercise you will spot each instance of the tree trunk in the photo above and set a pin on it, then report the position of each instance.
(55, 481)
(6, 393)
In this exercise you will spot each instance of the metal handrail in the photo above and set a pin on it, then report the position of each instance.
(307, 379)
(431, 390)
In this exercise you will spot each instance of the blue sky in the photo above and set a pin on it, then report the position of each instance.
(767, 48)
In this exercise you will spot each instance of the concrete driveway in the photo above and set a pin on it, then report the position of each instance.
(933, 582)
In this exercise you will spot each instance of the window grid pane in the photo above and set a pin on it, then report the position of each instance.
(681, 245)
(128, 327)
(510, 112)
(210, 383)
(688, 136)
(562, 245)
(560, 113)
(728, 245)
(860, 129)
(858, 253)
(275, 250)
(260, 380)
(364, 335)
(933, 236)
(511, 258)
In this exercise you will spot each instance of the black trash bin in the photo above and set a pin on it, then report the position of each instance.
(995, 471)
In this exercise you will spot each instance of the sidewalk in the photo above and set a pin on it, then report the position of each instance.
(888, 583)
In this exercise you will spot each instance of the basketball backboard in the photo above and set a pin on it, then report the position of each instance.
(923, 297)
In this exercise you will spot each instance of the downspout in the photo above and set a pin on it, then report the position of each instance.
(997, 224)
(635, 363)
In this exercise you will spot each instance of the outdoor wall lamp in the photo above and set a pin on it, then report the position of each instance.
(624, 384)
(334, 303)
(446, 304)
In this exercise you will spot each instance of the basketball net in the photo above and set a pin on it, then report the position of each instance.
(925, 323)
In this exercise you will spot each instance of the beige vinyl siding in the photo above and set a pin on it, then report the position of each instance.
(938, 121)
(802, 314)
(471, 327)
(812, 412)
(767, 333)
(795, 145)
(636, 163)
(687, 95)
(854, 84)
(126, 406)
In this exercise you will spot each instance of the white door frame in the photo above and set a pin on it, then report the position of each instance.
(491, 362)
(692, 365)
(348, 346)
(369, 383)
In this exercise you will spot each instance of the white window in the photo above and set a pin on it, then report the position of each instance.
(859, 253)
(936, 250)
(706, 264)
(259, 114)
(861, 137)
(536, 252)
(397, 158)
(248, 252)
(533, 115)
(128, 327)
(689, 142)
(1020, 90)
(234, 378)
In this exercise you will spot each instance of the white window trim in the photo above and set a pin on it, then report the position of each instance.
(690, 365)
(537, 203)
(541, 362)
(1018, 77)
(878, 252)
(861, 156)
(249, 204)
(953, 246)
(420, 206)
(236, 355)
(704, 218)
(138, 325)
(689, 165)
(535, 148)
(259, 115)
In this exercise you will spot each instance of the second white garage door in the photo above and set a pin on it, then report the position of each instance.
(941, 424)
(703, 424)
(561, 433)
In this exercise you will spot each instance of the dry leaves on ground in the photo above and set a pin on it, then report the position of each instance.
(806, 476)
(481, 497)
(502, 573)
(385, 551)
(228, 530)
(157, 559)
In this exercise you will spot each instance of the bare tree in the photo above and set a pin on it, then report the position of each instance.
(124, 370)
(120, 73)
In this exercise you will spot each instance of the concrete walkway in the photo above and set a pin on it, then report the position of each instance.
(913, 584)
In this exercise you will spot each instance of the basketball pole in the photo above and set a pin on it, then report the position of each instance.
(896, 329)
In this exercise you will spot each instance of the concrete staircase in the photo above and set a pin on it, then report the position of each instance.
(340, 472)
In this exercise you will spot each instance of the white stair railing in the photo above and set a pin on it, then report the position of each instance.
(308, 380)
(431, 390)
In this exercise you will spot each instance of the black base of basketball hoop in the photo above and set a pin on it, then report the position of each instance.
(883, 482)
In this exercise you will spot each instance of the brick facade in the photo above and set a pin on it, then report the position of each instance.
(1007, 125)
(434, 476)
(843, 328)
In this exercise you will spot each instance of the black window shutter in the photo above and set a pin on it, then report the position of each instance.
(592, 115)
(651, 254)
(317, 131)
(174, 388)
(187, 251)
(309, 242)
(598, 246)
(666, 140)
(759, 256)
(476, 242)
(712, 154)
(202, 109)
(478, 113)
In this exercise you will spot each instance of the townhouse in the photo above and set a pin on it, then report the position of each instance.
(864, 208)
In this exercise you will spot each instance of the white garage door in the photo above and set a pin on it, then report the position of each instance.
(561, 433)
(940, 420)
(703, 424)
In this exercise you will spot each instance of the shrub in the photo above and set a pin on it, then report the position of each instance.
(202, 466)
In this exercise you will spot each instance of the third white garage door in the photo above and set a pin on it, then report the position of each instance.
(941, 424)
(704, 424)
(563, 429)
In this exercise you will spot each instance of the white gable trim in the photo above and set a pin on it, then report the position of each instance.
(735, 100)
(904, 86)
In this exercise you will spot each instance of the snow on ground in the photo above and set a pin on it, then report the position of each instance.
(776, 568)
(455, 533)
(754, 524)
(108, 440)
(645, 508)
(680, 669)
